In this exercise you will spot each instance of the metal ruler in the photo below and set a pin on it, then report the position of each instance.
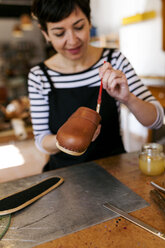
(135, 220)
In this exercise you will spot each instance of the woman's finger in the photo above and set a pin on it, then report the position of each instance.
(109, 76)
(114, 75)
(116, 84)
(105, 79)
(106, 66)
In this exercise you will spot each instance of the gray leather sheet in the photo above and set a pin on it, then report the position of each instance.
(75, 205)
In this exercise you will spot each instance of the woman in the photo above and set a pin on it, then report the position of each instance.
(71, 78)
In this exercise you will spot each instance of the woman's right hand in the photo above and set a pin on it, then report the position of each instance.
(114, 82)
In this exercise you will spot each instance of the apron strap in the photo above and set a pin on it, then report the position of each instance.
(43, 68)
(110, 54)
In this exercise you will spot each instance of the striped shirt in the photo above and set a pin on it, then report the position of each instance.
(39, 87)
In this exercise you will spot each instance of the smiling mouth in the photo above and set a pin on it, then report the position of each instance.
(75, 50)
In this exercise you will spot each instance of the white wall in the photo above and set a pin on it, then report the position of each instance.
(141, 42)
(107, 14)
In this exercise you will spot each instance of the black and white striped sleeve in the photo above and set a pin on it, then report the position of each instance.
(39, 106)
(137, 87)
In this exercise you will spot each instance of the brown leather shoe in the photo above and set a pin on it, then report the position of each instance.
(76, 134)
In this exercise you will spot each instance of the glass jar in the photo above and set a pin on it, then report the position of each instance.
(151, 159)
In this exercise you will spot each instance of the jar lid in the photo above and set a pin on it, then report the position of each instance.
(152, 146)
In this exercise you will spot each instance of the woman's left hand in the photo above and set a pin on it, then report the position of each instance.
(114, 82)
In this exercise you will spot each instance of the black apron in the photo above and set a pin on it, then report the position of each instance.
(63, 102)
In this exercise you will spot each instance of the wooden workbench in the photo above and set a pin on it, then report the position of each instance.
(120, 233)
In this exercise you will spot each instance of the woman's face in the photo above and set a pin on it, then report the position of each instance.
(70, 37)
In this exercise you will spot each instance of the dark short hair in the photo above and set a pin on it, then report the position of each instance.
(57, 10)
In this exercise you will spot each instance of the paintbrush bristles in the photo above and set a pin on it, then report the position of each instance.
(99, 97)
(98, 108)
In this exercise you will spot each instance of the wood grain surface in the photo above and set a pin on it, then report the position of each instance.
(118, 232)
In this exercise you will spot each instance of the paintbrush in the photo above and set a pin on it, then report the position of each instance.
(100, 95)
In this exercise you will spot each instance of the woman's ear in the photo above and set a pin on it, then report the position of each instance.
(46, 36)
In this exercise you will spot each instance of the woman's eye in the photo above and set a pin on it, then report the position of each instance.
(79, 28)
(60, 34)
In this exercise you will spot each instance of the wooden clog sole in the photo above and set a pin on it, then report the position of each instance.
(68, 151)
